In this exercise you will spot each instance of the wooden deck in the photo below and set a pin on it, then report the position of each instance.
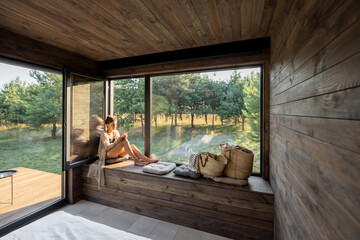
(33, 189)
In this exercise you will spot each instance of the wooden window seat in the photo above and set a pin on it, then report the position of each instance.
(227, 210)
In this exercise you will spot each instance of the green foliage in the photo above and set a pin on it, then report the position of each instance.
(173, 88)
(13, 101)
(129, 100)
(252, 103)
(234, 102)
(34, 104)
(45, 104)
(159, 106)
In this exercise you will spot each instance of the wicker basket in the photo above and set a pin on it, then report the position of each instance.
(211, 164)
(240, 161)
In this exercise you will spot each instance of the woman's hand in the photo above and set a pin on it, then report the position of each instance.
(123, 137)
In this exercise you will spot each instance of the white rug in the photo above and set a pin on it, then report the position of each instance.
(62, 225)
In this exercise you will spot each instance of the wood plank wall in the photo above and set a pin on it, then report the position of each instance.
(235, 212)
(315, 119)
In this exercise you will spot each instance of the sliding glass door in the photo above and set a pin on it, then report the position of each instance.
(85, 108)
(31, 115)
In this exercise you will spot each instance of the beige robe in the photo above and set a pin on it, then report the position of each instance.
(96, 169)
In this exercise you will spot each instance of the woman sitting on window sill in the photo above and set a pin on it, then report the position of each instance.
(112, 145)
(115, 145)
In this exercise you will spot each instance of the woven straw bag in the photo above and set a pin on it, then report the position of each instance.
(211, 164)
(240, 161)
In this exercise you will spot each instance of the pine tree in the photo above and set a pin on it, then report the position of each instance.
(45, 105)
(252, 103)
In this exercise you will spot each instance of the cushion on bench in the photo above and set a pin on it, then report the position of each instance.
(231, 181)
(116, 160)
(159, 168)
(185, 171)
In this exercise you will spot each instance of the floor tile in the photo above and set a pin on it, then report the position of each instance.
(143, 226)
(123, 221)
(164, 231)
(187, 233)
(91, 211)
(209, 236)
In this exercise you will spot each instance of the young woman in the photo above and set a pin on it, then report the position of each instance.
(119, 146)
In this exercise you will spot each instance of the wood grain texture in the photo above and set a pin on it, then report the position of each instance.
(33, 190)
(188, 65)
(314, 119)
(202, 204)
(21, 48)
(74, 193)
(118, 29)
(344, 14)
(340, 77)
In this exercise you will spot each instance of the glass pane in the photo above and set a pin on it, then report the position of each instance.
(87, 106)
(195, 112)
(129, 95)
(30, 140)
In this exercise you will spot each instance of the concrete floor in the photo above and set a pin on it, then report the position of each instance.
(136, 224)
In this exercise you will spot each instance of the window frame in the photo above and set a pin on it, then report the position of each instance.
(67, 114)
(148, 103)
(21, 221)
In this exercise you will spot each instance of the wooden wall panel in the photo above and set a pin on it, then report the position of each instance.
(236, 212)
(315, 119)
(74, 191)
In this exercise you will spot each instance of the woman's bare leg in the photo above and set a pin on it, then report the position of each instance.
(141, 156)
(119, 149)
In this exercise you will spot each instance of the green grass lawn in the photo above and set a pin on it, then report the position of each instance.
(31, 148)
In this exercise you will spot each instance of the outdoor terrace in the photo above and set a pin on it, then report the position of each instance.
(33, 189)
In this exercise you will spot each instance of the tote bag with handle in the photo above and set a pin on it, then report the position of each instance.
(211, 164)
(240, 161)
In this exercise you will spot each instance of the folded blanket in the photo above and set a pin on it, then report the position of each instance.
(194, 162)
(184, 171)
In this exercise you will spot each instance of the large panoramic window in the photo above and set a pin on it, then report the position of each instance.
(30, 140)
(196, 112)
(129, 105)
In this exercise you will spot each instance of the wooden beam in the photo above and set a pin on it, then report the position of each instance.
(186, 59)
(17, 47)
(189, 65)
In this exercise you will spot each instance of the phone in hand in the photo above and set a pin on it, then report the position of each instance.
(123, 137)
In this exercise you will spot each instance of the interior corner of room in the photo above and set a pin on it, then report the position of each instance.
(181, 77)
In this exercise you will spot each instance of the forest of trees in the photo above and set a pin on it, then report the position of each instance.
(236, 100)
(33, 104)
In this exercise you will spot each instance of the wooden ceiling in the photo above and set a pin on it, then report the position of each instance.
(113, 29)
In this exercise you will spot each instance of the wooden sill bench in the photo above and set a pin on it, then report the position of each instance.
(227, 210)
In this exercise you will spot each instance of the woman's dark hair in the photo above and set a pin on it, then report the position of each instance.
(109, 119)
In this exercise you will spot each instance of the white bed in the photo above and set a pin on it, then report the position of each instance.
(62, 225)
